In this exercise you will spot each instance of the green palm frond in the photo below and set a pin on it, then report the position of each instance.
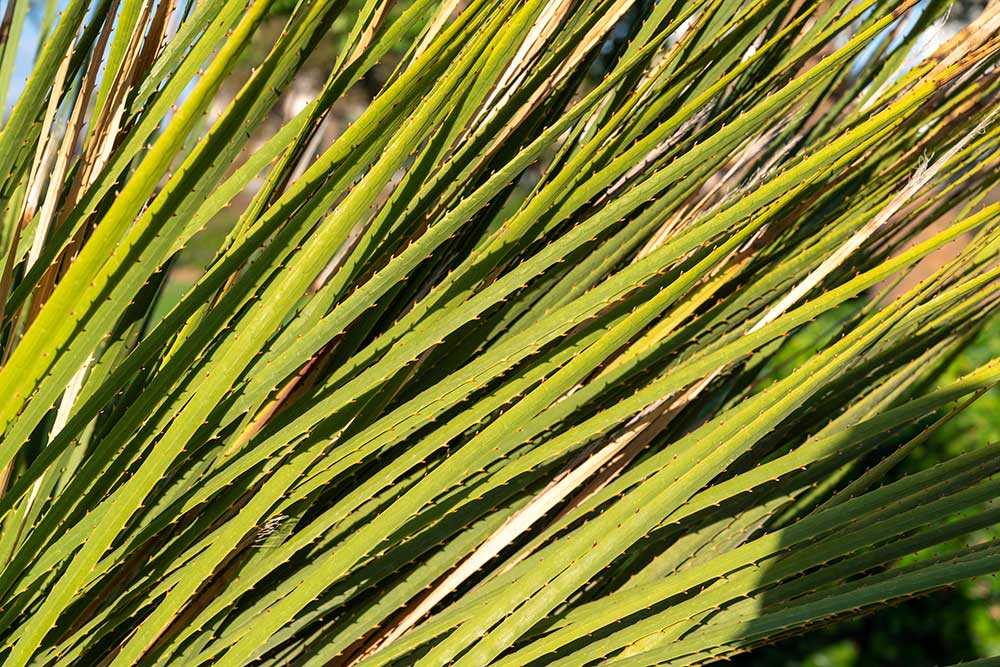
(594, 339)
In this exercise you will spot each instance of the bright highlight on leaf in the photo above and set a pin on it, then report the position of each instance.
(594, 338)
